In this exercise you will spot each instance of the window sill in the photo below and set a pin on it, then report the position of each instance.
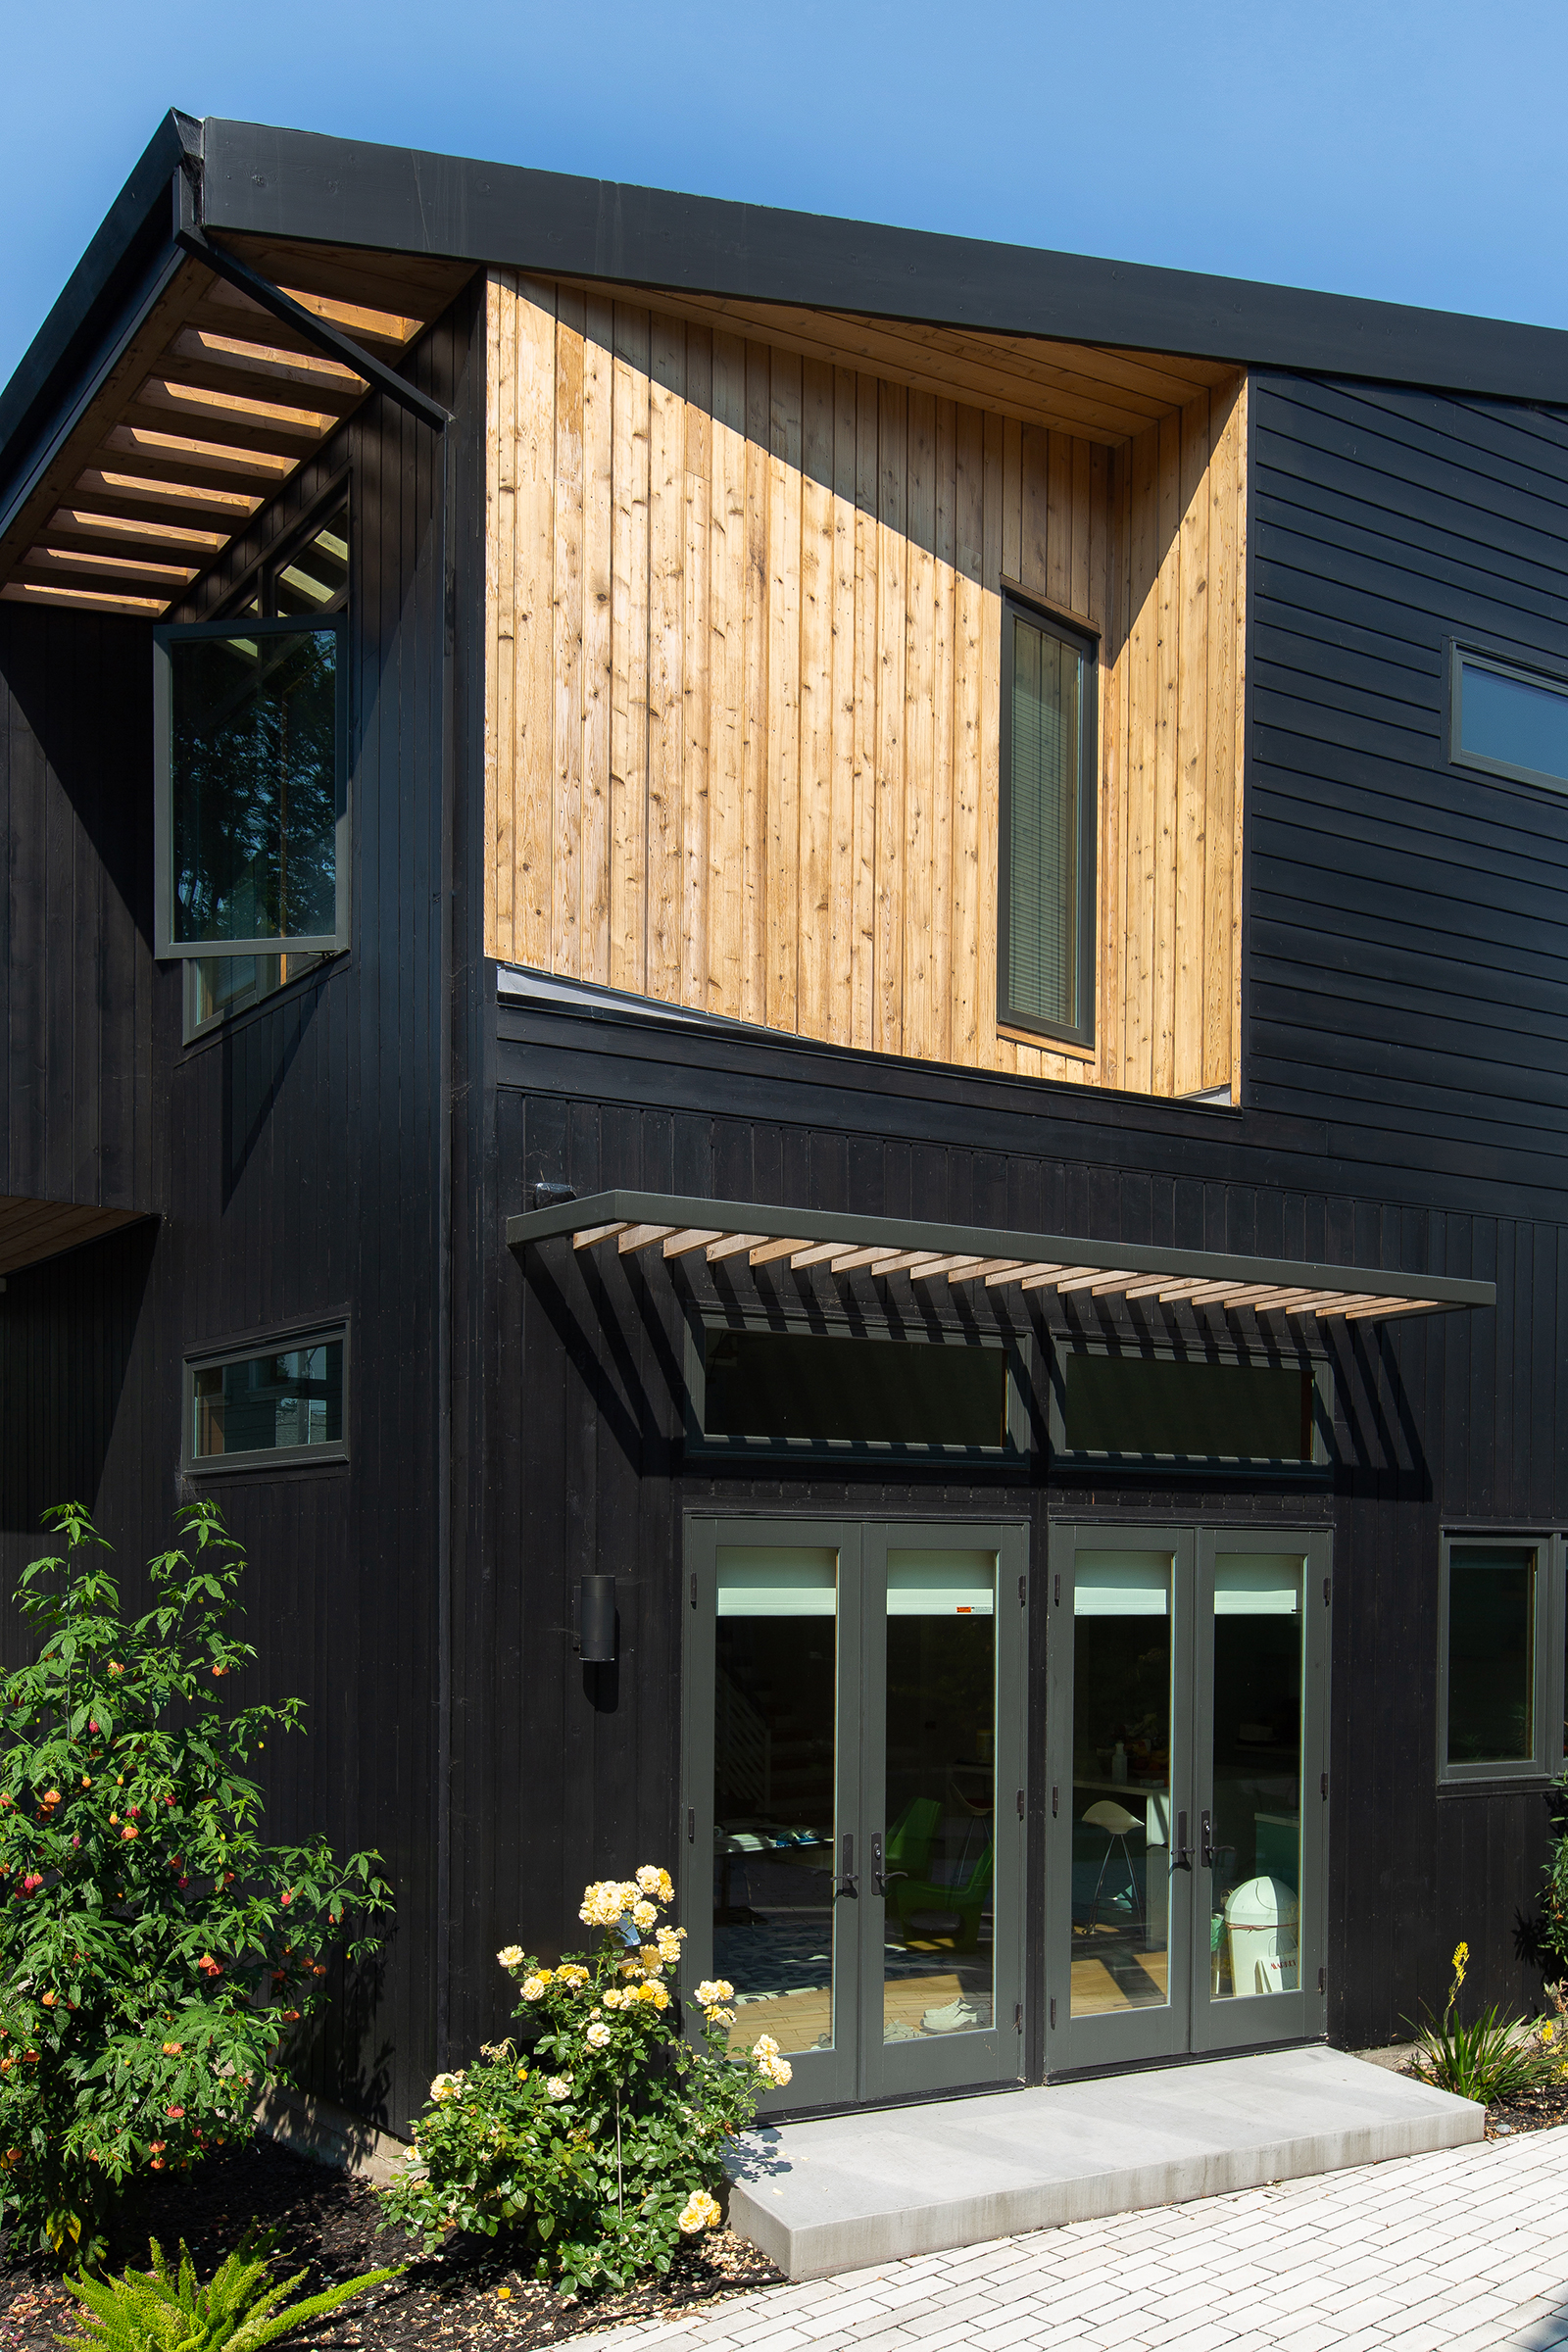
(290, 1458)
(1018, 1036)
(1515, 1783)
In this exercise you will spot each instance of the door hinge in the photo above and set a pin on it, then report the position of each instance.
(1057, 1589)
(1053, 2013)
(1054, 1802)
(1020, 1804)
(694, 1588)
(1017, 2017)
(1322, 1979)
(1327, 1585)
(1324, 1784)
(691, 1825)
(1023, 1591)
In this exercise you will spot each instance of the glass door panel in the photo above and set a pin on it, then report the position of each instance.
(938, 1976)
(1251, 1832)
(1121, 1781)
(776, 1793)
(1262, 1793)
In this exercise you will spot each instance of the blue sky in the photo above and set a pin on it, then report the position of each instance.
(1411, 152)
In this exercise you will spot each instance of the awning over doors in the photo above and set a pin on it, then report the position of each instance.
(911, 1249)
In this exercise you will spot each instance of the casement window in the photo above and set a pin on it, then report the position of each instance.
(1045, 898)
(1508, 718)
(1500, 1657)
(252, 871)
(281, 1402)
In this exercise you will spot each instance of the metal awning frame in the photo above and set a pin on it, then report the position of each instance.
(918, 1250)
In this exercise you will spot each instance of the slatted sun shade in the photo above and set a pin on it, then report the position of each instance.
(635, 1224)
(209, 409)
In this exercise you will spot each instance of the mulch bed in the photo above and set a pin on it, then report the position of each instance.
(330, 2225)
(1535, 2111)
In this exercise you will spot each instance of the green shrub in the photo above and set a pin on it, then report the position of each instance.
(236, 2311)
(1552, 1930)
(153, 1954)
(594, 2139)
(1497, 2057)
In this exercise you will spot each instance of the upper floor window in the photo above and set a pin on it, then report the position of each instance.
(280, 1405)
(1045, 979)
(252, 804)
(1507, 719)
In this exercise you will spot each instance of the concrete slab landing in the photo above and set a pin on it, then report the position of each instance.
(854, 2190)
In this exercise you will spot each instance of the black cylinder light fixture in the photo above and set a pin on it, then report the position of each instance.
(596, 1620)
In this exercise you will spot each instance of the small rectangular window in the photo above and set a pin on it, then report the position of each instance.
(283, 1405)
(1495, 1620)
(1509, 719)
(794, 1391)
(1046, 863)
(1114, 1406)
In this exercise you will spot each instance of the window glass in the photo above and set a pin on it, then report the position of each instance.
(811, 1390)
(315, 578)
(253, 771)
(1136, 1406)
(1491, 1653)
(270, 1403)
(1043, 844)
(1512, 721)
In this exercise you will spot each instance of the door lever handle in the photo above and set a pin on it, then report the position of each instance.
(1206, 1841)
(884, 1878)
(847, 1883)
(1182, 1858)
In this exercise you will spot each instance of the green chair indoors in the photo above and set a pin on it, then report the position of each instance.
(913, 1886)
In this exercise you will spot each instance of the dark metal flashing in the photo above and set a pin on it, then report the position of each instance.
(103, 299)
(676, 1211)
(290, 183)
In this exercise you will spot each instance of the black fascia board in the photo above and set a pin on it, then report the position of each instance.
(290, 183)
(129, 256)
(691, 1214)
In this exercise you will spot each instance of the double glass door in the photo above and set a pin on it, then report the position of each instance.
(1187, 1806)
(854, 1797)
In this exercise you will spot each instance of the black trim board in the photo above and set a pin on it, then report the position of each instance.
(290, 183)
(827, 1225)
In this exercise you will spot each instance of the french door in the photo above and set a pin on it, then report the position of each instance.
(1186, 1832)
(853, 1796)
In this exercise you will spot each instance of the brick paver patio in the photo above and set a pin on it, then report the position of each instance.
(1462, 2251)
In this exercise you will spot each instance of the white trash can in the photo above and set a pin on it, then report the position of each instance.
(1261, 1922)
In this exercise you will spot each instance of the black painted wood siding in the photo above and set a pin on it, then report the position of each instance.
(298, 1160)
(76, 1103)
(1408, 972)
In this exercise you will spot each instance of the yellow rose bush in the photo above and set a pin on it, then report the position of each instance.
(594, 2139)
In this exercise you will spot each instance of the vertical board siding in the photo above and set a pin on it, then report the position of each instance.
(743, 681)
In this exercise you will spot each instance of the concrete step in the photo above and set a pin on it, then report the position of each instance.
(846, 2190)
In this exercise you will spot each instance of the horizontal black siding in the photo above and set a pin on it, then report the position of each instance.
(1407, 979)
(1448, 1420)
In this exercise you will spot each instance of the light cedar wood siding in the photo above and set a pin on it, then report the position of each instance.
(743, 688)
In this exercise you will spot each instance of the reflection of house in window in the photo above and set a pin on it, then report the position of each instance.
(276, 1403)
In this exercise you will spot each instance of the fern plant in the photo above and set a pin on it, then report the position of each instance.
(239, 2310)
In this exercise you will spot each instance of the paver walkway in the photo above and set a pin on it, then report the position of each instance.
(1465, 2250)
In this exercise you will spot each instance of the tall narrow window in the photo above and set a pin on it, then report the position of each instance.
(1494, 1628)
(1048, 828)
(252, 797)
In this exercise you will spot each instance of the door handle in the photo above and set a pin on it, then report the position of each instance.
(847, 1881)
(1206, 1841)
(884, 1878)
(1182, 1858)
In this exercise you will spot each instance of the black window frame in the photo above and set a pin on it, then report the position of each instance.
(258, 583)
(242, 1352)
(1014, 1347)
(1550, 1631)
(1530, 670)
(1312, 1363)
(1086, 641)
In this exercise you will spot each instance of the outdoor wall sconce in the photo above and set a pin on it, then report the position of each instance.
(596, 1620)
